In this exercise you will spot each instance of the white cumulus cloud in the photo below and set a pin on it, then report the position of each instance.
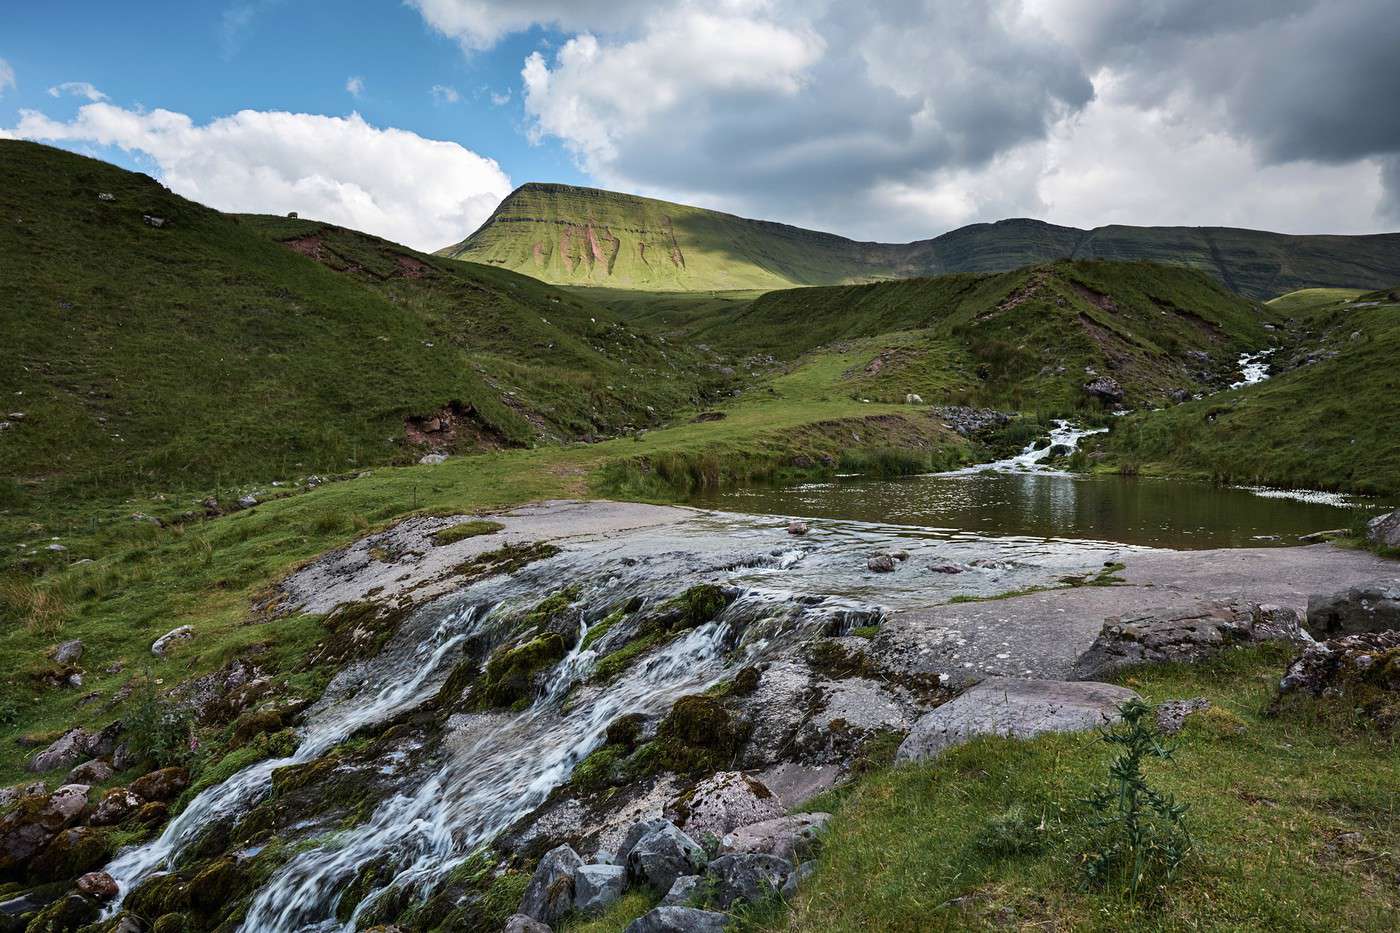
(77, 89)
(355, 85)
(390, 182)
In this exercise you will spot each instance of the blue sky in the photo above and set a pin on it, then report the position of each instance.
(886, 120)
(209, 59)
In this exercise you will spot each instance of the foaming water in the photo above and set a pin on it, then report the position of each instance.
(1032, 458)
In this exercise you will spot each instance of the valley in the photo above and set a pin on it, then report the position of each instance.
(623, 527)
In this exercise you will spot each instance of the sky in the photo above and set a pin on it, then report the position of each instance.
(888, 120)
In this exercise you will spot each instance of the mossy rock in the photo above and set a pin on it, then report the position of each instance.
(71, 853)
(626, 730)
(510, 674)
(172, 923)
(219, 884)
(253, 724)
(698, 735)
(701, 604)
(65, 915)
(832, 659)
(159, 896)
(599, 769)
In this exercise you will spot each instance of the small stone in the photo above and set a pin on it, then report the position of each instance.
(98, 885)
(947, 567)
(432, 459)
(56, 548)
(519, 923)
(164, 643)
(682, 890)
(796, 528)
(880, 563)
(106, 196)
(153, 221)
(66, 751)
(248, 501)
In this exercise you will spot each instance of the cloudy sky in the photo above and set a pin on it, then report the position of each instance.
(888, 119)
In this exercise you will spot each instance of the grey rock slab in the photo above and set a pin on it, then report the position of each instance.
(69, 652)
(170, 639)
(682, 890)
(721, 802)
(1013, 707)
(1384, 529)
(795, 784)
(597, 886)
(788, 837)
(550, 894)
(519, 923)
(678, 920)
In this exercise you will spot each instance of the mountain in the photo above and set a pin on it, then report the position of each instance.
(584, 236)
(153, 343)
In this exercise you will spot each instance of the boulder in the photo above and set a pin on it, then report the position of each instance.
(662, 856)
(798, 877)
(67, 750)
(550, 894)
(1384, 530)
(93, 771)
(597, 886)
(1105, 388)
(70, 853)
(1328, 668)
(98, 885)
(519, 923)
(1183, 635)
(432, 459)
(634, 834)
(721, 802)
(69, 652)
(65, 805)
(681, 891)
(116, 805)
(10, 795)
(797, 528)
(170, 639)
(789, 837)
(1374, 607)
(1014, 707)
(948, 566)
(678, 920)
(247, 501)
(164, 784)
(747, 877)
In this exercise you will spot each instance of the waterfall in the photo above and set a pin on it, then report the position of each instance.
(1032, 458)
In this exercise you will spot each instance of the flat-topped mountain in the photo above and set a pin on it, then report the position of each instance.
(585, 236)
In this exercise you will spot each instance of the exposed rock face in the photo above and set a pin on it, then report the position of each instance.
(969, 421)
(662, 856)
(1371, 608)
(597, 886)
(746, 877)
(162, 645)
(722, 802)
(1183, 635)
(788, 837)
(1012, 707)
(550, 894)
(1105, 388)
(1384, 530)
(678, 920)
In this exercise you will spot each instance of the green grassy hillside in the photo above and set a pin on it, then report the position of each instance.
(1327, 421)
(1023, 339)
(584, 236)
(206, 350)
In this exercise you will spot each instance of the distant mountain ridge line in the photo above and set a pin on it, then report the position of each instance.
(528, 232)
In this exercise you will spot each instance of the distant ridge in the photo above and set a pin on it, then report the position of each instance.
(570, 235)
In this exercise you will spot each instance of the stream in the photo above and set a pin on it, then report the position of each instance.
(1016, 523)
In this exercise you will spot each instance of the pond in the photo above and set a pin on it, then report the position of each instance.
(1049, 504)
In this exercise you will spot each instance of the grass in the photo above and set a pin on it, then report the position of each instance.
(1301, 429)
(583, 236)
(463, 530)
(928, 847)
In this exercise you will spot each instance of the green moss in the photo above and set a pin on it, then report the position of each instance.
(159, 895)
(510, 674)
(697, 735)
(700, 604)
(504, 560)
(601, 628)
(463, 530)
(832, 659)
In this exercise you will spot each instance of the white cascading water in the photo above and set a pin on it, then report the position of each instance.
(1254, 367)
(491, 768)
(1032, 459)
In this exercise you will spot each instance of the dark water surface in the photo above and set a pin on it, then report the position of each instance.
(1151, 512)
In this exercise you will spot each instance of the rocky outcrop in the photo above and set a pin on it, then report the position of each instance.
(1328, 669)
(1371, 608)
(550, 894)
(597, 886)
(1183, 635)
(165, 643)
(1384, 530)
(1105, 388)
(1009, 706)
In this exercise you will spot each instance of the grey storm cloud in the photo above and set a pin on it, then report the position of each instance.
(958, 110)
